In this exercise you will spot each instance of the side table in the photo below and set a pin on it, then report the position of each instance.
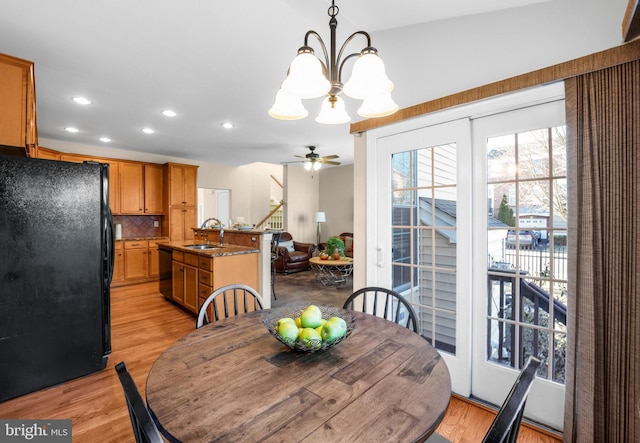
(331, 272)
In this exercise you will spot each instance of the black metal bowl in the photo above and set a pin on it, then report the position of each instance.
(295, 310)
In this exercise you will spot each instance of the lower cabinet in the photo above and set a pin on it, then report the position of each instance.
(185, 280)
(118, 263)
(136, 261)
(195, 277)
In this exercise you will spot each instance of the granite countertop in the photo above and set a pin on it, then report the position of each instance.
(226, 249)
(141, 238)
(240, 231)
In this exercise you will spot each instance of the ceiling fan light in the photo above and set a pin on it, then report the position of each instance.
(368, 78)
(375, 107)
(333, 112)
(308, 166)
(306, 78)
(316, 166)
(287, 107)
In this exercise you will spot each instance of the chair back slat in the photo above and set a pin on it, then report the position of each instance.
(391, 299)
(228, 299)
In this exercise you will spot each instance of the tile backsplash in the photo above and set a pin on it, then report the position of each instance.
(135, 226)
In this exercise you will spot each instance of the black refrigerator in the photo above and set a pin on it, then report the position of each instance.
(56, 264)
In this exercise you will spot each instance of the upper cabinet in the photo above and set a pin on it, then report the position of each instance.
(182, 184)
(18, 104)
(141, 188)
(181, 201)
(153, 188)
(131, 188)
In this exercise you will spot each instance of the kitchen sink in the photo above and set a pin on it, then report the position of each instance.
(203, 246)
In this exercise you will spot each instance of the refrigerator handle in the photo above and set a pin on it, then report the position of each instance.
(110, 246)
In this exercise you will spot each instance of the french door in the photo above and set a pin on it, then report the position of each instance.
(427, 225)
(440, 229)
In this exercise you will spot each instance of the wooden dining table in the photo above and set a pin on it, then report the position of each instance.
(233, 381)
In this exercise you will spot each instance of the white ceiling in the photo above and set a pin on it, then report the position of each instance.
(209, 61)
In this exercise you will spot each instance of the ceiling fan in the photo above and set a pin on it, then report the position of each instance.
(314, 161)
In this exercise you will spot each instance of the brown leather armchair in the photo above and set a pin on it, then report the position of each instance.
(296, 260)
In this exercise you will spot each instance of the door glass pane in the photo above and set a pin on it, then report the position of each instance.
(527, 262)
(424, 238)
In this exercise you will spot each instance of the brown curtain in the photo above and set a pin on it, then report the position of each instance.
(603, 354)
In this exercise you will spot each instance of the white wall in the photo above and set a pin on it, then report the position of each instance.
(336, 200)
(440, 58)
(301, 202)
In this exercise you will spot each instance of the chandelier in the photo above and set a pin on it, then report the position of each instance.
(310, 77)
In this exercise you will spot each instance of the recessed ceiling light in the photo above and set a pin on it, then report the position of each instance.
(104, 139)
(81, 100)
(227, 125)
(69, 129)
(147, 130)
(168, 113)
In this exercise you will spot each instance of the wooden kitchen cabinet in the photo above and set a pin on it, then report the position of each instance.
(216, 272)
(180, 201)
(185, 280)
(182, 184)
(18, 104)
(118, 262)
(47, 154)
(181, 221)
(131, 175)
(153, 188)
(136, 259)
(154, 257)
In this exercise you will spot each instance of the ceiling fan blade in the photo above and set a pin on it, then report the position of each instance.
(330, 162)
(295, 161)
(299, 156)
(329, 157)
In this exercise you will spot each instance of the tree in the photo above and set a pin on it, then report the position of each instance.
(505, 213)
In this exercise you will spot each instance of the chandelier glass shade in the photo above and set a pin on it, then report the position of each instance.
(310, 77)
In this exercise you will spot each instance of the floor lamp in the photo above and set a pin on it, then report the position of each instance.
(319, 217)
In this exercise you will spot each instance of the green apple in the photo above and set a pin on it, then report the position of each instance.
(310, 337)
(334, 328)
(311, 317)
(298, 322)
(288, 331)
(283, 320)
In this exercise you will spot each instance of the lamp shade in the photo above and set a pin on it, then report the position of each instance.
(333, 112)
(379, 106)
(368, 78)
(319, 217)
(306, 78)
(287, 107)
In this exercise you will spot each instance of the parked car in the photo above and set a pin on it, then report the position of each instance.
(528, 239)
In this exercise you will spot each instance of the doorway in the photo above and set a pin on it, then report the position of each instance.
(214, 203)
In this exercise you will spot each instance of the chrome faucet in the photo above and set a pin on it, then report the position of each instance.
(218, 223)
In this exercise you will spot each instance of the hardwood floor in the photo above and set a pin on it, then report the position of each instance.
(143, 325)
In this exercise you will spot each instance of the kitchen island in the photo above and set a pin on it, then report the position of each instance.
(190, 271)
(255, 238)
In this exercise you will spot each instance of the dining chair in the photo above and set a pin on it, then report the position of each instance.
(275, 239)
(227, 301)
(144, 428)
(506, 424)
(394, 306)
